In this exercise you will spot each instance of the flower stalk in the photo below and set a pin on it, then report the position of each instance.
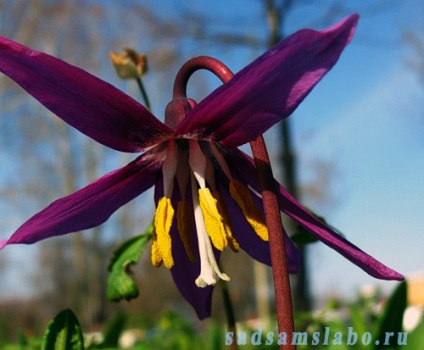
(277, 248)
(143, 93)
(229, 311)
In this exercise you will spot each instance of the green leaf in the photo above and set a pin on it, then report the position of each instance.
(63, 333)
(120, 285)
(416, 338)
(22, 339)
(392, 317)
(302, 236)
(113, 331)
(358, 323)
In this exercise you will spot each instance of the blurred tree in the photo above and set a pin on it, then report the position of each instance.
(415, 41)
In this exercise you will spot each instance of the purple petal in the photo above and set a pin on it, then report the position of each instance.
(184, 272)
(249, 241)
(87, 103)
(243, 165)
(91, 205)
(269, 89)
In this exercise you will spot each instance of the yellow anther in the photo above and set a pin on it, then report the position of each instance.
(242, 196)
(185, 225)
(155, 254)
(222, 208)
(162, 243)
(214, 222)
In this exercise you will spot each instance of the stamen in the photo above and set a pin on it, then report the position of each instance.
(156, 257)
(183, 169)
(210, 174)
(162, 243)
(214, 222)
(198, 163)
(208, 266)
(185, 225)
(241, 195)
(222, 208)
(221, 160)
(212, 218)
(169, 169)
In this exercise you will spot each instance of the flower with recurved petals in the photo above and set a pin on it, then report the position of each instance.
(206, 190)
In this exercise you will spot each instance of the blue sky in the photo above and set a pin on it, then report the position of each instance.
(365, 115)
(379, 150)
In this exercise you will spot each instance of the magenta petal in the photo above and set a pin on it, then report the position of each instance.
(184, 272)
(243, 164)
(91, 205)
(87, 103)
(269, 89)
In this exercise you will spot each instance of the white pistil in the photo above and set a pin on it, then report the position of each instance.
(206, 275)
(209, 269)
(213, 263)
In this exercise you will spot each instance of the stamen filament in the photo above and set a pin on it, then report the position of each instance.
(185, 226)
(169, 169)
(182, 172)
(240, 193)
(221, 160)
(198, 163)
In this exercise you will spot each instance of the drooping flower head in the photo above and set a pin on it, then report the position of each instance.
(206, 189)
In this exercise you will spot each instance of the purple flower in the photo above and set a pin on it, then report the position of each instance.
(206, 190)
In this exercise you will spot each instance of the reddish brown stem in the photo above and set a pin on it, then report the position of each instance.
(280, 272)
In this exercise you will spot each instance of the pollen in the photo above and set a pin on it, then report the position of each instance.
(214, 222)
(162, 243)
(242, 196)
(155, 253)
(185, 225)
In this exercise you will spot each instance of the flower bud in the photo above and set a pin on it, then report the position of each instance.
(129, 64)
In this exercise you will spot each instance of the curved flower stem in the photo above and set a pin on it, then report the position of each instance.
(196, 63)
(143, 93)
(280, 272)
(231, 320)
(272, 211)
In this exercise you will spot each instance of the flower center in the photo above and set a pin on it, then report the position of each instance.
(204, 209)
(209, 211)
